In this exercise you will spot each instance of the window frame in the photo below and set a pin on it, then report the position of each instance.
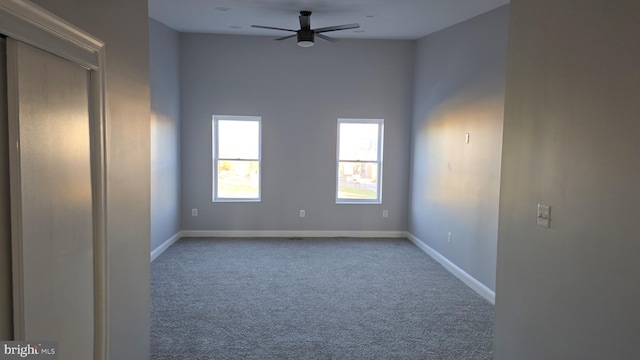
(379, 161)
(215, 158)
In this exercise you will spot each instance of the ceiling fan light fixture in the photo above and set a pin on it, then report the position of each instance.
(305, 43)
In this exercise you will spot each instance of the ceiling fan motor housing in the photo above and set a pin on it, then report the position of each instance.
(305, 35)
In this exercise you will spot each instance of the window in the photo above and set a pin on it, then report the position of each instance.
(359, 168)
(236, 158)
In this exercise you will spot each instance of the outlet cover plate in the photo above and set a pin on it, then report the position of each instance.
(544, 216)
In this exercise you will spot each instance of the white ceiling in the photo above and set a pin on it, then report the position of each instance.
(378, 19)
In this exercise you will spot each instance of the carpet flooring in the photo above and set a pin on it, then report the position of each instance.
(312, 298)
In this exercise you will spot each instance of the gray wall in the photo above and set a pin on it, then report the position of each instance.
(165, 132)
(299, 93)
(571, 141)
(459, 88)
(123, 25)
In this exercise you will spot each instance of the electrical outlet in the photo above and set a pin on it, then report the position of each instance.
(449, 237)
(385, 213)
(544, 216)
(303, 213)
(194, 212)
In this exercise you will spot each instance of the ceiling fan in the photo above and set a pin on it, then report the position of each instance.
(306, 34)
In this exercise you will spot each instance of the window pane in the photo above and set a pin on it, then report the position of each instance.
(358, 141)
(357, 180)
(238, 139)
(238, 179)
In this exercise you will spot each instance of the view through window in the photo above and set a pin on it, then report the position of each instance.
(236, 158)
(359, 168)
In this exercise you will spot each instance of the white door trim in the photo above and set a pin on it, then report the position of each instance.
(31, 24)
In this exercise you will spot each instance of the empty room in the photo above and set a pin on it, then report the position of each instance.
(320, 179)
(299, 170)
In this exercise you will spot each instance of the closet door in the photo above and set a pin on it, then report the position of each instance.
(51, 199)
(6, 291)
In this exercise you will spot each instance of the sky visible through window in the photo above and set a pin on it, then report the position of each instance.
(358, 142)
(238, 139)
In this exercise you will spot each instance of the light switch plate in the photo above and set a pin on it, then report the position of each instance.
(544, 216)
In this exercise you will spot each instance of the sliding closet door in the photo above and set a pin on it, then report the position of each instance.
(51, 199)
(6, 308)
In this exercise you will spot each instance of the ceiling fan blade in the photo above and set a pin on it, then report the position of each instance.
(272, 28)
(336, 28)
(286, 37)
(326, 38)
(305, 19)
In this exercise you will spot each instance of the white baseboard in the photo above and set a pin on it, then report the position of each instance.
(469, 280)
(292, 233)
(165, 245)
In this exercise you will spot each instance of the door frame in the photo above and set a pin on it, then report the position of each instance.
(31, 24)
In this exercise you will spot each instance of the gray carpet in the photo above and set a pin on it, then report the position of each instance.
(330, 298)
